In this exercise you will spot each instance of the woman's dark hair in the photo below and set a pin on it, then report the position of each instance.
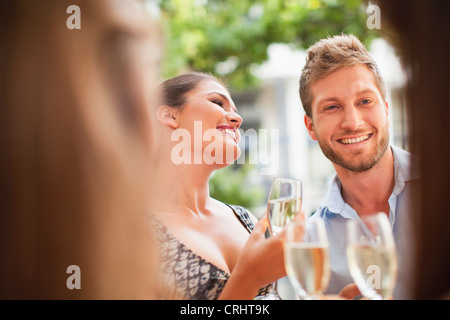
(175, 89)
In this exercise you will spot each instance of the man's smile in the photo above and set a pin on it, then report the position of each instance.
(355, 140)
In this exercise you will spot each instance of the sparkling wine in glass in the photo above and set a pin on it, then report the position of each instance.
(285, 201)
(307, 258)
(371, 255)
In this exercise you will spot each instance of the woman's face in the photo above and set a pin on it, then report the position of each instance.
(210, 117)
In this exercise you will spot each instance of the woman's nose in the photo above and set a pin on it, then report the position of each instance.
(235, 119)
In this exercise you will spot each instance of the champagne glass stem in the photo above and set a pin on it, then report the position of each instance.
(274, 289)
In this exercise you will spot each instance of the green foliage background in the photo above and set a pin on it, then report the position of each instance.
(201, 34)
(230, 185)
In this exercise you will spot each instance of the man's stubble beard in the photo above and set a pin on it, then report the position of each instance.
(356, 164)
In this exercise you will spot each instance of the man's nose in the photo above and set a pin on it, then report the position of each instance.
(352, 118)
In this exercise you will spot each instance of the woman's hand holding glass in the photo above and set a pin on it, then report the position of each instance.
(261, 262)
(283, 205)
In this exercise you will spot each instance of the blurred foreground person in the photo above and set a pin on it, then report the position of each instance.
(419, 31)
(76, 149)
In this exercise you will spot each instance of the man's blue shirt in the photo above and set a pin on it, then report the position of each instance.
(335, 212)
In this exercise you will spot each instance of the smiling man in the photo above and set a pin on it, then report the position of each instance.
(344, 99)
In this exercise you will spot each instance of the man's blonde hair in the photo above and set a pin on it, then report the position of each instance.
(329, 55)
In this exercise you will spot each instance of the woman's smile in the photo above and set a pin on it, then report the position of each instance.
(228, 131)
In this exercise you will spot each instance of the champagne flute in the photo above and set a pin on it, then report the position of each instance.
(371, 255)
(307, 258)
(285, 201)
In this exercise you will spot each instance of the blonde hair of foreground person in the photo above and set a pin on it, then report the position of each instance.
(76, 149)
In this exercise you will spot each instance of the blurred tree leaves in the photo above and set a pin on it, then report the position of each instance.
(230, 185)
(228, 37)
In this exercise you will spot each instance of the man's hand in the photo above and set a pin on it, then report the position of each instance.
(349, 291)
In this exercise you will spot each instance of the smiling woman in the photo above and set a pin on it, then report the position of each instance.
(206, 246)
(204, 117)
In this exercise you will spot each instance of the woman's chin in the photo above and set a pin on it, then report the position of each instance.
(231, 155)
(227, 159)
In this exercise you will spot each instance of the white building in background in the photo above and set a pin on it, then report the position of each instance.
(277, 106)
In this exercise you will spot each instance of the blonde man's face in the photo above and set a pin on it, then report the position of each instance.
(350, 118)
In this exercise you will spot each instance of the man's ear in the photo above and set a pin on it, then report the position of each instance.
(310, 127)
(168, 116)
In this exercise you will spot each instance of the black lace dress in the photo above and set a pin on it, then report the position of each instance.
(184, 274)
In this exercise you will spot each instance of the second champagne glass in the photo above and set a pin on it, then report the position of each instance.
(307, 258)
(285, 201)
(371, 255)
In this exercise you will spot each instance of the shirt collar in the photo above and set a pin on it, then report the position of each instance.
(334, 202)
(404, 162)
(406, 168)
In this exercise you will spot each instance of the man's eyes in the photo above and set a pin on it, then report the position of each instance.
(336, 106)
(333, 106)
(365, 101)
